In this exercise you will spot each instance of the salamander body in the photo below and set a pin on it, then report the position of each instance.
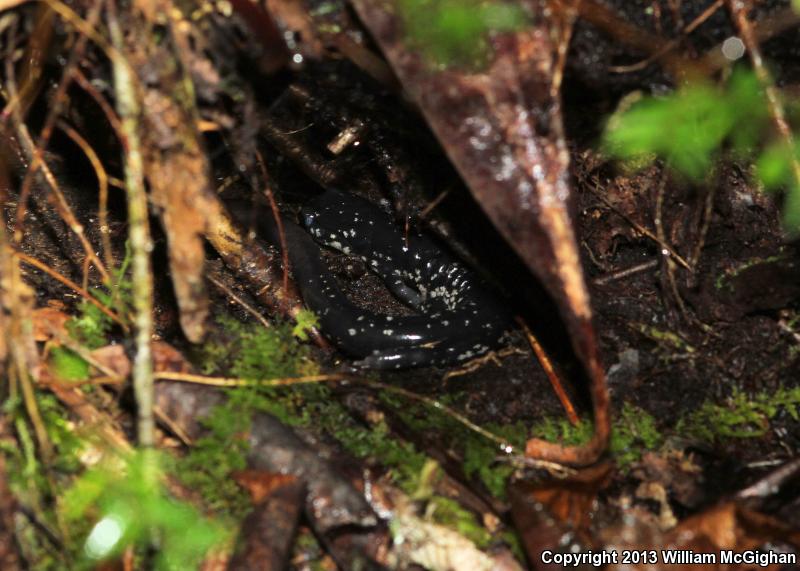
(456, 318)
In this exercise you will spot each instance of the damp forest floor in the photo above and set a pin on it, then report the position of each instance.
(695, 299)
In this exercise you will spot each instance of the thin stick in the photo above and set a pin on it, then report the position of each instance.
(670, 45)
(102, 102)
(39, 265)
(566, 27)
(739, 12)
(102, 183)
(662, 236)
(246, 306)
(772, 482)
(625, 272)
(433, 204)
(129, 112)
(237, 382)
(708, 208)
(276, 214)
(547, 365)
(36, 161)
(639, 228)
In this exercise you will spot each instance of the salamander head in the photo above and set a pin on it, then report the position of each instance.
(346, 222)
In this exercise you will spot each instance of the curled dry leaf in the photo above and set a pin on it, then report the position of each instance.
(502, 129)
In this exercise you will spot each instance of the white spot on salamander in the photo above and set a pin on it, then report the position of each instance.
(352, 332)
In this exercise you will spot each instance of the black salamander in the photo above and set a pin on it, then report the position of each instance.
(456, 318)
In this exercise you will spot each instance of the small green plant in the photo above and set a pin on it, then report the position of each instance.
(700, 123)
(454, 32)
(91, 327)
(129, 509)
(305, 320)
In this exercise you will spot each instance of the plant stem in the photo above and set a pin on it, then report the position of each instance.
(129, 111)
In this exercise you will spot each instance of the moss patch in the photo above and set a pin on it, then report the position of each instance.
(741, 416)
(634, 431)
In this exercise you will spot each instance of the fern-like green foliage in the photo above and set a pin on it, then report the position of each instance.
(694, 126)
(129, 510)
(455, 32)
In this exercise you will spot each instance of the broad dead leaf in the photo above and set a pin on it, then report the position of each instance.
(502, 129)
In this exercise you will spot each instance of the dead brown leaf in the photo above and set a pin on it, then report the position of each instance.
(260, 483)
(49, 322)
(502, 129)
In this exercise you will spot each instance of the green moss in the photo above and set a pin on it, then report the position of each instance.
(208, 465)
(741, 416)
(404, 462)
(633, 432)
(254, 353)
(561, 430)
(251, 351)
(91, 326)
(664, 337)
(451, 514)
(68, 365)
(480, 456)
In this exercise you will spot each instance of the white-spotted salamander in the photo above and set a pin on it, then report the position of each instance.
(457, 318)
